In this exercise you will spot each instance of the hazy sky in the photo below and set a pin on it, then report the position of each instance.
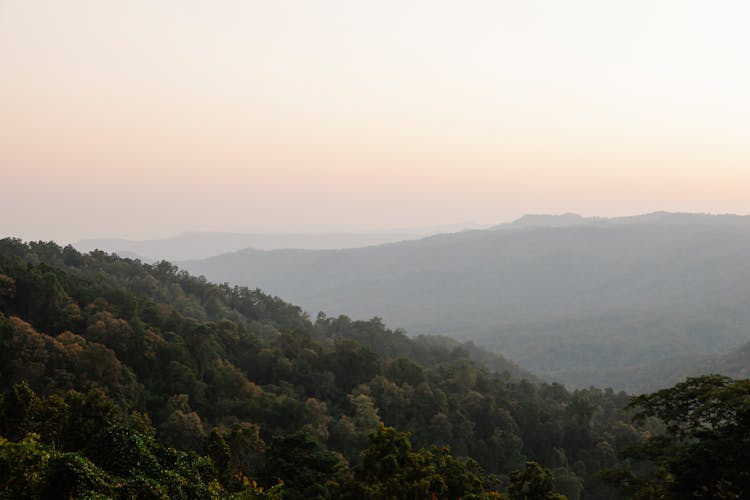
(147, 118)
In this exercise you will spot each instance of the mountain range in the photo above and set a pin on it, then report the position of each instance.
(202, 244)
(587, 301)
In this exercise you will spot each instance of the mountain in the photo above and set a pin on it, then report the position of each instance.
(587, 302)
(120, 379)
(198, 245)
(572, 219)
(544, 220)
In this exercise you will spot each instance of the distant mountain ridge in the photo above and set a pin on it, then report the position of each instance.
(583, 300)
(572, 219)
(545, 220)
(199, 245)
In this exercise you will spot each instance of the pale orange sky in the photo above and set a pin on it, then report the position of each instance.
(148, 118)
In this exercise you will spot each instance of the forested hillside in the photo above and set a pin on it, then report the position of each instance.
(121, 379)
(583, 301)
(163, 364)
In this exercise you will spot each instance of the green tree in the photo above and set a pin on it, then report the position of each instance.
(302, 464)
(23, 467)
(534, 482)
(705, 449)
(246, 447)
(217, 449)
(390, 469)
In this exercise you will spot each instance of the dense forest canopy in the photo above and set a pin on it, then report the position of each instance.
(139, 380)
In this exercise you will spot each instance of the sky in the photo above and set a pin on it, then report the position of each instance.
(144, 119)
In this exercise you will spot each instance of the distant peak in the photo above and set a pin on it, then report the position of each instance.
(547, 220)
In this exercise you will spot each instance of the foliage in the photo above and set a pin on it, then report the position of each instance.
(389, 468)
(139, 369)
(302, 463)
(704, 448)
(532, 483)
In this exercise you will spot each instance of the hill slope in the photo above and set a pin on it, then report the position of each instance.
(586, 302)
(167, 360)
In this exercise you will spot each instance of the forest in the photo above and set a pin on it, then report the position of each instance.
(131, 380)
(557, 294)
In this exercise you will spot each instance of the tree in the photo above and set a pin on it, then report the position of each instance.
(7, 290)
(23, 466)
(704, 451)
(352, 364)
(302, 463)
(246, 448)
(17, 409)
(218, 450)
(534, 482)
(389, 468)
(183, 427)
